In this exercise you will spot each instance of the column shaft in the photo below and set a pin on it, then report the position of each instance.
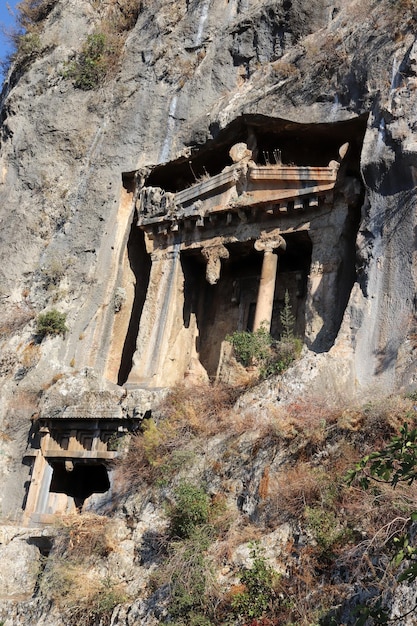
(265, 302)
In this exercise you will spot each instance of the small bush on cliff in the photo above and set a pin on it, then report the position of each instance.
(195, 522)
(51, 323)
(101, 52)
(250, 348)
(261, 350)
(257, 594)
(90, 68)
(191, 509)
(166, 446)
(28, 47)
(191, 579)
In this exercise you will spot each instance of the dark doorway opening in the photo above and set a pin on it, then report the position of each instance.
(80, 483)
(222, 308)
(293, 269)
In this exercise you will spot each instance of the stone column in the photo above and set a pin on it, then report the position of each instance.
(158, 327)
(38, 493)
(265, 301)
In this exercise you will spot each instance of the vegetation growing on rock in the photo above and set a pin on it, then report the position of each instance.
(25, 37)
(299, 456)
(51, 323)
(90, 69)
(261, 350)
(85, 594)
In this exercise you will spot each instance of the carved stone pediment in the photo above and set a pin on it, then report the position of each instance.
(243, 185)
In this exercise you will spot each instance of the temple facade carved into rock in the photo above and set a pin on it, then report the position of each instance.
(225, 250)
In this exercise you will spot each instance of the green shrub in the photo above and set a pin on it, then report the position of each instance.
(106, 599)
(51, 323)
(92, 65)
(99, 57)
(261, 349)
(258, 582)
(251, 347)
(324, 526)
(191, 579)
(191, 509)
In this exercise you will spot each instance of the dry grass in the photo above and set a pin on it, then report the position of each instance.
(33, 11)
(122, 15)
(296, 488)
(240, 531)
(53, 381)
(187, 415)
(201, 409)
(375, 508)
(350, 531)
(30, 355)
(82, 597)
(382, 419)
(284, 69)
(86, 536)
(74, 578)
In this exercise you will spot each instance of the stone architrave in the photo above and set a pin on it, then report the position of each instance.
(213, 256)
(265, 301)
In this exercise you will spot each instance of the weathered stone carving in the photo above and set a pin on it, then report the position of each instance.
(154, 202)
(213, 256)
(71, 459)
(239, 152)
(244, 184)
(208, 277)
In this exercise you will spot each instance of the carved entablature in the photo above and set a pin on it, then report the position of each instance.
(81, 439)
(245, 189)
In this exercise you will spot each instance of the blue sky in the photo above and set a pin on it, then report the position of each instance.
(6, 21)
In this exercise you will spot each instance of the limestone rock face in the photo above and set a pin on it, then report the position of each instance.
(19, 579)
(192, 77)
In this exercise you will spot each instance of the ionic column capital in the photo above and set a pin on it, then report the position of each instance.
(269, 245)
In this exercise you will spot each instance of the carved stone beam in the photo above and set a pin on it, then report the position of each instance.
(265, 301)
(213, 256)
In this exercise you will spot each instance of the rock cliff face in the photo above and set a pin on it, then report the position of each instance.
(192, 78)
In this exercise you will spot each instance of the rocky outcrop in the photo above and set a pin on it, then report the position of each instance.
(192, 79)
